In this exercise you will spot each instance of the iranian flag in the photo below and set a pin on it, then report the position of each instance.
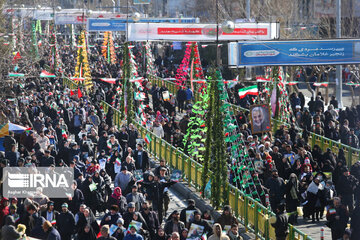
(352, 84)
(47, 74)
(64, 134)
(261, 79)
(322, 84)
(16, 75)
(147, 139)
(53, 222)
(252, 90)
(291, 83)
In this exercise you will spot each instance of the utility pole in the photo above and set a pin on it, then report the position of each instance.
(338, 67)
(248, 9)
(218, 60)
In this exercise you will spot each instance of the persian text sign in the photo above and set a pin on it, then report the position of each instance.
(321, 52)
(201, 32)
(70, 18)
(23, 182)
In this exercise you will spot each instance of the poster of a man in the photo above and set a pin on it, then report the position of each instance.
(260, 118)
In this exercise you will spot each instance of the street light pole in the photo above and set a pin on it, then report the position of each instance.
(338, 67)
(217, 36)
(127, 20)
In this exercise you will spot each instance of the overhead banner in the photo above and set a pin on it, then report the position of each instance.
(70, 18)
(99, 24)
(321, 52)
(142, 1)
(201, 32)
(43, 15)
(110, 24)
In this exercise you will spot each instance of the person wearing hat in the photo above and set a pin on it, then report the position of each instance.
(280, 222)
(119, 234)
(345, 188)
(65, 223)
(112, 216)
(123, 178)
(105, 233)
(133, 235)
(227, 218)
(174, 219)
(50, 214)
(129, 216)
(8, 231)
(52, 233)
(197, 220)
(135, 197)
(190, 208)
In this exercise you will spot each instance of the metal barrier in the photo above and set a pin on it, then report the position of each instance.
(352, 155)
(254, 216)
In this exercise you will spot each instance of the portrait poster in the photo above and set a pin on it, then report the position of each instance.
(260, 118)
(195, 231)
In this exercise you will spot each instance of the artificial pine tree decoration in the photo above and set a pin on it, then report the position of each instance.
(108, 49)
(55, 61)
(190, 61)
(82, 69)
(34, 42)
(128, 74)
(194, 140)
(151, 69)
(215, 155)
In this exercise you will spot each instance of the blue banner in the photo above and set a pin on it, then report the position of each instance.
(321, 52)
(142, 1)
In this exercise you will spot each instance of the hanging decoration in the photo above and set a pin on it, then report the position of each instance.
(183, 73)
(82, 65)
(108, 49)
(55, 61)
(194, 140)
(38, 26)
(35, 50)
(151, 69)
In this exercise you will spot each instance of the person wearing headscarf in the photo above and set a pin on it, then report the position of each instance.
(218, 233)
(86, 233)
(292, 197)
(117, 199)
(4, 209)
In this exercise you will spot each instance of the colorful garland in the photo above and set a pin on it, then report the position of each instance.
(82, 64)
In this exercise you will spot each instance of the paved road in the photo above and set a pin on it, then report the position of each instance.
(313, 229)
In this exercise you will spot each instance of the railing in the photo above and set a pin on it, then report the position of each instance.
(69, 83)
(254, 216)
(352, 155)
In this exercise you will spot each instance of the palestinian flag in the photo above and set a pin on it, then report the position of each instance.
(53, 222)
(252, 90)
(16, 75)
(147, 139)
(47, 74)
(322, 84)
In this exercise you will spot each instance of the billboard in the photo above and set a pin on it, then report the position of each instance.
(119, 24)
(201, 32)
(320, 52)
(43, 15)
(70, 18)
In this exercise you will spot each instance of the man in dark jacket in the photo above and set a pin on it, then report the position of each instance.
(12, 156)
(197, 220)
(276, 186)
(141, 158)
(181, 98)
(8, 231)
(338, 217)
(111, 217)
(77, 199)
(151, 219)
(190, 208)
(9, 141)
(47, 160)
(50, 214)
(129, 215)
(345, 188)
(174, 219)
(281, 223)
(52, 233)
(133, 135)
(65, 223)
(355, 223)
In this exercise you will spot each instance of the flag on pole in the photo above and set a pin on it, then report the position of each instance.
(16, 75)
(252, 90)
(71, 92)
(291, 83)
(53, 222)
(147, 139)
(79, 93)
(322, 84)
(261, 79)
(47, 74)
(16, 57)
